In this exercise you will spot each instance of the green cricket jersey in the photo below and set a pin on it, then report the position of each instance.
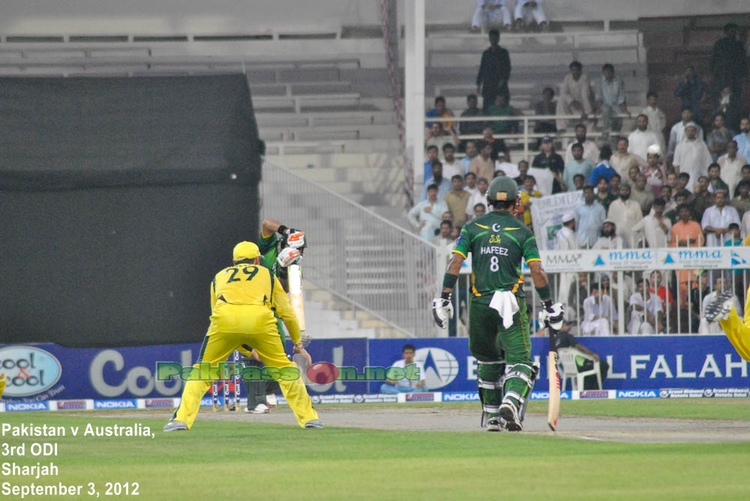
(269, 249)
(497, 242)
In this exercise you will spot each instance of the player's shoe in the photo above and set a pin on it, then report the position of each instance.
(315, 423)
(259, 409)
(720, 307)
(271, 400)
(509, 413)
(175, 425)
(494, 424)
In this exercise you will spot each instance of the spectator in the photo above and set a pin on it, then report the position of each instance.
(610, 99)
(564, 339)
(702, 199)
(690, 91)
(575, 95)
(444, 242)
(731, 165)
(590, 149)
(657, 288)
(470, 181)
(405, 385)
(443, 184)
(716, 220)
(614, 185)
(480, 210)
(472, 111)
(717, 139)
(729, 105)
(577, 166)
(471, 153)
(579, 181)
(625, 213)
(642, 194)
(622, 161)
(457, 200)
(565, 239)
(498, 145)
(699, 292)
(720, 285)
(666, 194)
(546, 107)
(654, 171)
(579, 291)
(745, 176)
(677, 133)
(673, 214)
(436, 136)
(590, 217)
(603, 170)
(735, 239)
(682, 181)
(548, 159)
(529, 14)
(424, 216)
(691, 155)
(633, 174)
(451, 166)
(597, 312)
(503, 164)
(432, 156)
(672, 179)
(654, 230)
(603, 195)
(483, 165)
(657, 120)
(715, 183)
(527, 193)
(742, 201)
(641, 139)
(494, 72)
(609, 239)
(440, 111)
(523, 171)
(646, 311)
(492, 14)
(728, 61)
(502, 108)
(685, 233)
(481, 196)
(743, 138)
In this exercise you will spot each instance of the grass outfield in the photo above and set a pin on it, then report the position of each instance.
(222, 459)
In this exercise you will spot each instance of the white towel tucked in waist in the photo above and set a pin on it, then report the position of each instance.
(505, 303)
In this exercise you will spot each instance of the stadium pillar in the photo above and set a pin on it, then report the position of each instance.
(414, 64)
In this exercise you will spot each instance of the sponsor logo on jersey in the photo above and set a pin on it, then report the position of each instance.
(115, 404)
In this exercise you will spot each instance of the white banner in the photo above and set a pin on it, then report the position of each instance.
(546, 215)
(674, 258)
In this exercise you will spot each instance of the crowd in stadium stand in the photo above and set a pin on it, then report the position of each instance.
(640, 188)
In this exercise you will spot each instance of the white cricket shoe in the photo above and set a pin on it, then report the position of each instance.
(509, 413)
(271, 400)
(259, 409)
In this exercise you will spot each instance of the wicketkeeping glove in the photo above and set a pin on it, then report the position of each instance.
(288, 257)
(553, 314)
(442, 311)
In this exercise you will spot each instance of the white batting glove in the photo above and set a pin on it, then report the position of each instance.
(296, 239)
(553, 315)
(288, 257)
(442, 311)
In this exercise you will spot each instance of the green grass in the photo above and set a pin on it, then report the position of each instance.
(226, 460)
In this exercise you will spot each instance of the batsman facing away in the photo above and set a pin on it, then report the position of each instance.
(499, 336)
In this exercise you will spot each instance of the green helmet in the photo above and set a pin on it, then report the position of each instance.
(502, 188)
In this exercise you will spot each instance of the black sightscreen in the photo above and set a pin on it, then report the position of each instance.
(120, 198)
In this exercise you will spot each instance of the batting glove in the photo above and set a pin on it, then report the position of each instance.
(288, 257)
(296, 239)
(442, 311)
(306, 339)
(553, 314)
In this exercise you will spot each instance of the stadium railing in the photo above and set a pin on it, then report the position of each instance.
(355, 254)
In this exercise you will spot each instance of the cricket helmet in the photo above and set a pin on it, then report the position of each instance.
(502, 188)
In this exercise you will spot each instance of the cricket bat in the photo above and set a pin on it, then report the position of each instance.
(295, 294)
(553, 409)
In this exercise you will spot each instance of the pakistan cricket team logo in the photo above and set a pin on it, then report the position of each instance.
(440, 366)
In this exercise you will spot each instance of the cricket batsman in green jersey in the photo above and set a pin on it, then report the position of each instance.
(499, 336)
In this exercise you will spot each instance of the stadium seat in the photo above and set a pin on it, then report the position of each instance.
(567, 357)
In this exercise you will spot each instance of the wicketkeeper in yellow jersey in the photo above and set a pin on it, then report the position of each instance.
(737, 329)
(242, 298)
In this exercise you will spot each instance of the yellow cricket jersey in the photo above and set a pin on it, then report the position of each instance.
(247, 284)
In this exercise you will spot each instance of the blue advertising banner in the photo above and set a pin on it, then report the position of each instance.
(42, 372)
